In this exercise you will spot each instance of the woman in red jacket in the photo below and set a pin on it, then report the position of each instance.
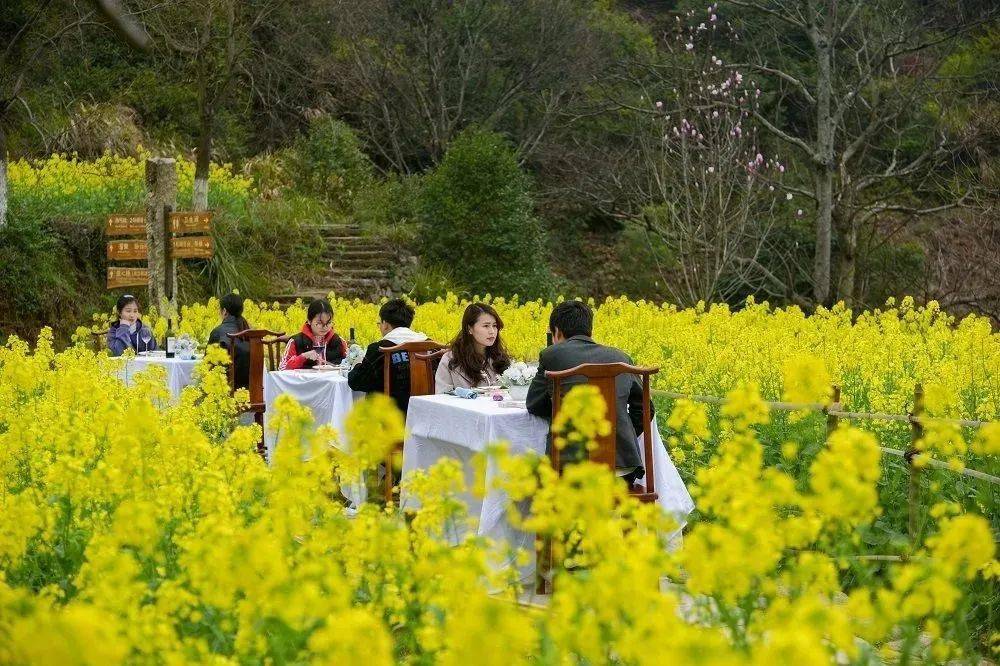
(306, 349)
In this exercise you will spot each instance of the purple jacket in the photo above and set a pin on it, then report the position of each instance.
(119, 339)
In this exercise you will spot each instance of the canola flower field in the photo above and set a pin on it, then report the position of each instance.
(136, 530)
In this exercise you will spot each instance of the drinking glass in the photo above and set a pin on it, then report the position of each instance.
(145, 335)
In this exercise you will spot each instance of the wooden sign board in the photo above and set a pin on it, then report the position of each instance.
(192, 247)
(129, 224)
(127, 277)
(190, 223)
(127, 250)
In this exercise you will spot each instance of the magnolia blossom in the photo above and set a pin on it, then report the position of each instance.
(788, 196)
(711, 169)
(659, 105)
(689, 46)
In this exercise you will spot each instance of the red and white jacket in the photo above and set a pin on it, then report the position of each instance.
(303, 341)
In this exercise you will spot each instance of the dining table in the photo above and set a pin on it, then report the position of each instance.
(326, 394)
(445, 426)
(179, 371)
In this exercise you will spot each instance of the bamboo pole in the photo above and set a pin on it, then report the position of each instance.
(833, 414)
(913, 491)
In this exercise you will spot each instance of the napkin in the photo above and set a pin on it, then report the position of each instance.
(463, 392)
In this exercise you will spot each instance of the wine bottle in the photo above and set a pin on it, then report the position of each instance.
(350, 340)
(171, 345)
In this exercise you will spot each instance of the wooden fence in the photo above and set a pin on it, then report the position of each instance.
(916, 418)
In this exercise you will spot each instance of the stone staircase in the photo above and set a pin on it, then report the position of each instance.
(354, 266)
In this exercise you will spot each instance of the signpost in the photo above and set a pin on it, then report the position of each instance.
(127, 277)
(190, 223)
(193, 247)
(126, 225)
(127, 250)
(162, 253)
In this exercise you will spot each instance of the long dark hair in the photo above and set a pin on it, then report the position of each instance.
(124, 300)
(233, 305)
(463, 348)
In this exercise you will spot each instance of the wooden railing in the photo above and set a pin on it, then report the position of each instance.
(916, 418)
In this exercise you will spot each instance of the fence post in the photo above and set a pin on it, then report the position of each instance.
(916, 433)
(832, 420)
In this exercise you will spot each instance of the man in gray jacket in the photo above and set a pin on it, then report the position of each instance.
(571, 325)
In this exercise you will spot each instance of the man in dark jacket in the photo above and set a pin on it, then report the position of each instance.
(231, 311)
(395, 317)
(571, 325)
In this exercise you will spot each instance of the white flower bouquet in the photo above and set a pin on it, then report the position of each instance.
(354, 355)
(516, 379)
(186, 347)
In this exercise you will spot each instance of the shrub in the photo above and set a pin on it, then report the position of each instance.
(476, 214)
(328, 162)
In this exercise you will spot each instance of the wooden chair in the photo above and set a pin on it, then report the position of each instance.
(100, 340)
(426, 365)
(275, 350)
(603, 376)
(424, 357)
(255, 337)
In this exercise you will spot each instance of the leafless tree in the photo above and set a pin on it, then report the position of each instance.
(864, 78)
(414, 73)
(207, 43)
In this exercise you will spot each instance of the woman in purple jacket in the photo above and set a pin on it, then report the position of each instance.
(127, 332)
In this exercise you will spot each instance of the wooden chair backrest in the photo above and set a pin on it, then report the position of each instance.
(275, 349)
(422, 365)
(255, 337)
(428, 363)
(603, 376)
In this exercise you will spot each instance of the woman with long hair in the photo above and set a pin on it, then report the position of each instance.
(477, 356)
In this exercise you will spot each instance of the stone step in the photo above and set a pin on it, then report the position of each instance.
(356, 240)
(356, 252)
(335, 227)
(344, 290)
(338, 270)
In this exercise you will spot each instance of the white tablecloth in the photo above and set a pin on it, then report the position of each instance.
(180, 373)
(325, 393)
(442, 426)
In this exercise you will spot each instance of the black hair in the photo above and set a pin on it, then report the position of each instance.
(318, 307)
(396, 312)
(124, 300)
(233, 305)
(572, 318)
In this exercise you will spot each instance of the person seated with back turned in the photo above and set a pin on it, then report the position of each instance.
(477, 356)
(231, 311)
(395, 317)
(571, 324)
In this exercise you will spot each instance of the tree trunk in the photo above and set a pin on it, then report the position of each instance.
(824, 235)
(825, 130)
(3, 177)
(203, 161)
(161, 198)
(847, 260)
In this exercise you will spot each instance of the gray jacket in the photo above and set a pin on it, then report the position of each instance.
(582, 349)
